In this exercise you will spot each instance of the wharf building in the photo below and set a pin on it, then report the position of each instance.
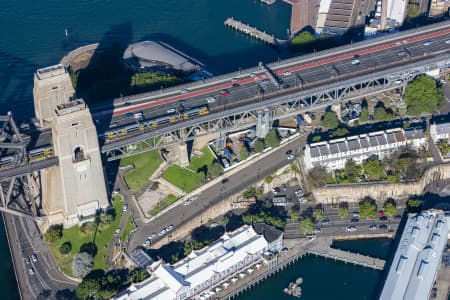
(418, 256)
(151, 56)
(333, 154)
(195, 276)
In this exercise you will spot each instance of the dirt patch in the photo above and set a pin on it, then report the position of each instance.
(81, 61)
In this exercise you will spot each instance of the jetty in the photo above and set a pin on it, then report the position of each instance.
(323, 248)
(253, 32)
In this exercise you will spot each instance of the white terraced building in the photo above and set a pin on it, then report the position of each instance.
(334, 154)
(440, 132)
(417, 258)
(202, 270)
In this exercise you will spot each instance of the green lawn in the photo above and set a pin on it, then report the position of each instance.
(129, 227)
(102, 240)
(145, 164)
(163, 204)
(188, 178)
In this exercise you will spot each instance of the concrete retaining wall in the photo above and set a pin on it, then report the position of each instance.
(380, 191)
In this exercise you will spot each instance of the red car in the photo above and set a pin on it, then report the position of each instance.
(224, 93)
(381, 213)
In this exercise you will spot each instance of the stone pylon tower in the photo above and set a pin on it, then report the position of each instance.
(52, 86)
(75, 189)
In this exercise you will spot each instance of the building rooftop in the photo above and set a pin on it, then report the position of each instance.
(270, 233)
(443, 128)
(148, 54)
(417, 257)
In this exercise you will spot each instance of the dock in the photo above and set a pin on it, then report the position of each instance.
(323, 248)
(252, 32)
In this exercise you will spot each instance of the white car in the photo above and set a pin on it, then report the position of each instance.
(351, 228)
(171, 110)
(184, 91)
(162, 232)
(169, 228)
(290, 156)
(299, 193)
(152, 236)
(427, 43)
(187, 202)
(234, 79)
(356, 61)
(146, 243)
(302, 200)
(31, 271)
(125, 207)
(210, 99)
(117, 230)
(252, 75)
(287, 73)
(447, 41)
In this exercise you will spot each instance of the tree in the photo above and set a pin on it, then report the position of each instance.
(364, 115)
(272, 138)
(330, 120)
(243, 154)
(306, 225)
(138, 275)
(81, 264)
(54, 233)
(88, 288)
(215, 169)
(318, 214)
(414, 204)
(374, 169)
(381, 114)
(65, 248)
(318, 176)
(252, 192)
(367, 209)
(268, 179)
(259, 145)
(293, 215)
(423, 96)
(389, 209)
(341, 131)
(90, 248)
(343, 212)
(444, 147)
(351, 170)
(295, 167)
(304, 38)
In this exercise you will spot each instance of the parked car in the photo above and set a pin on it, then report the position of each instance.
(284, 187)
(276, 190)
(302, 200)
(325, 221)
(355, 219)
(381, 213)
(187, 202)
(169, 228)
(184, 91)
(290, 156)
(289, 152)
(299, 193)
(383, 227)
(317, 230)
(252, 75)
(125, 207)
(31, 271)
(383, 218)
(146, 243)
(224, 93)
(171, 110)
(234, 79)
(152, 236)
(26, 260)
(351, 229)
(287, 73)
(162, 232)
(373, 227)
(210, 99)
(117, 230)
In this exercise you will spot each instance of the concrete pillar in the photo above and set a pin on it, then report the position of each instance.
(267, 120)
(183, 157)
(259, 126)
(220, 142)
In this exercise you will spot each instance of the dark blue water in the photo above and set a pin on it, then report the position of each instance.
(32, 34)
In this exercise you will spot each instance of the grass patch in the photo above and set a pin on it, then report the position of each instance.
(163, 204)
(102, 240)
(145, 164)
(129, 227)
(190, 178)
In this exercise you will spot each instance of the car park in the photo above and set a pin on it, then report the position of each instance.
(351, 229)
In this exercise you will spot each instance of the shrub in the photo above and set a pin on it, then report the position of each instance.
(81, 264)
(54, 233)
(65, 248)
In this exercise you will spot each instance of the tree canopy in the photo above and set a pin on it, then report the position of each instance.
(318, 214)
(343, 212)
(54, 233)
(367, 209)
(259, 145)
(374, 169)
(81, 264)
(306, 226)
(252, 192)
(318, 176)
(423, 96)
(390, 210)
(303, 38)
(272, 138)
(215, 169)
(330, 120)
(352, 170)
(382, 114)
(364, 116)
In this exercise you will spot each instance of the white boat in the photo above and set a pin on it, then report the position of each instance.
(234, 279)
(242, 275)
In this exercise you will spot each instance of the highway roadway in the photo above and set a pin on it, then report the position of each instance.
(298, 74)
(236, 182)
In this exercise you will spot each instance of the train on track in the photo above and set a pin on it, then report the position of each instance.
(154, 122)
(33, 156)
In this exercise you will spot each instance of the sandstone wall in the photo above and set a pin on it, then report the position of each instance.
(380, 191)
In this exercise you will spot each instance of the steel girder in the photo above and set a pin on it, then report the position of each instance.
(279, 107)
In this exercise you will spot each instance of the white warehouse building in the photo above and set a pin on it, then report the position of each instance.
(417, 258)
(206, 268)
(334, 154)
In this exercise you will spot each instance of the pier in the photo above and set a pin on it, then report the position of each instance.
(253, 32)
(323, 248)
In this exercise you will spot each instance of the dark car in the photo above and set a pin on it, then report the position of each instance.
(383, 218)
(383, 227)
(289, 152)
(354, 220)
(236, 85)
